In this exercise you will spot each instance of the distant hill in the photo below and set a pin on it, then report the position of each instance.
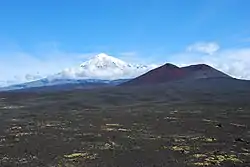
(62, 84)
(170, 72)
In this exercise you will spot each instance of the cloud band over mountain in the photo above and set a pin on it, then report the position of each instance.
(20, 67)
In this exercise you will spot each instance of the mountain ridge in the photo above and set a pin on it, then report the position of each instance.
(169, 72)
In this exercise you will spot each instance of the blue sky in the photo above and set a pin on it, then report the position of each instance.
(150, 31)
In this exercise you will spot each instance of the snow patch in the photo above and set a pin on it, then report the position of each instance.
(105, 67)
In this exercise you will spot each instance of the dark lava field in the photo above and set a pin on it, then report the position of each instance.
(117, 128)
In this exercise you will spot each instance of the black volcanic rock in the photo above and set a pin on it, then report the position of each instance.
(170, 72)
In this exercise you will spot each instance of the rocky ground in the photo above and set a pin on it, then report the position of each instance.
(71, 134)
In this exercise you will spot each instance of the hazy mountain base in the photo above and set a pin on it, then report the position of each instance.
(168, 125)
(61, 84)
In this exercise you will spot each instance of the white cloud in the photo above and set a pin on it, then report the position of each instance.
(204, 47)
(235, 62)
(18, 67)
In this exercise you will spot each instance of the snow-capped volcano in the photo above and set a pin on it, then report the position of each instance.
(101, 68)
(104, 61)
(104, 67)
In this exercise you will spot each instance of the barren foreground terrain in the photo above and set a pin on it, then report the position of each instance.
(77, 129)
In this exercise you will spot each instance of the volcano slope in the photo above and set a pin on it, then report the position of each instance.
(175, 124)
